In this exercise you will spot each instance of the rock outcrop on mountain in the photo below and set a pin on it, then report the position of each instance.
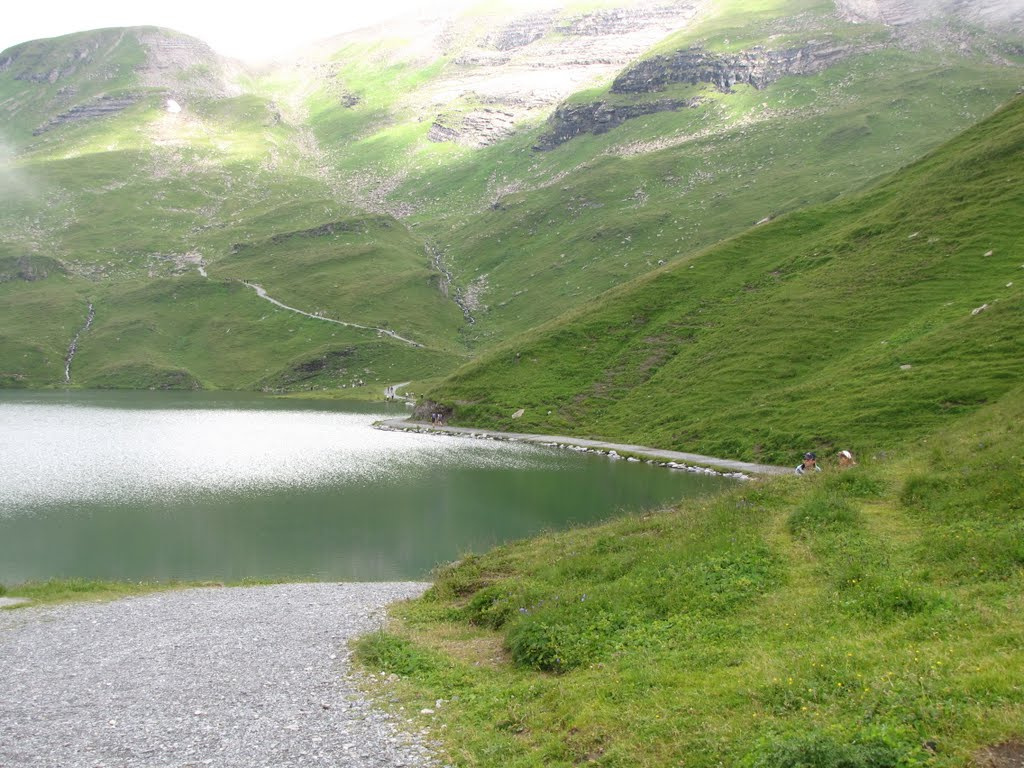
(30, 62)
(520, 32)
(183, 65)
(572, 120)
(478, 128)
(29, 268)
(170, 59)
(100, 107)
(758, 67)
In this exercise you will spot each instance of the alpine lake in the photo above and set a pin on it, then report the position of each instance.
(161, 486)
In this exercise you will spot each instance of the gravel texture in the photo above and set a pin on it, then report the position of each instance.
(247, 676)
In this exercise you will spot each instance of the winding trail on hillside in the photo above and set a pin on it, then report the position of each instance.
(241, 677)
(394, 389)
(263, 295)
(658, 454)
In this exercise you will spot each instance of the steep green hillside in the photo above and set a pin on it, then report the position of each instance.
(867, 323)
(527, 234)
(531, 234)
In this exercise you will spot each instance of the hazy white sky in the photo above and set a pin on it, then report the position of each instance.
(249, 30)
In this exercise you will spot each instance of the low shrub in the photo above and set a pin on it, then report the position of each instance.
(925, 491)
(458, 579)
(890, 602)
(732, 579)
(565, 635)
(388, 653)
(972, 550)
(494, 606)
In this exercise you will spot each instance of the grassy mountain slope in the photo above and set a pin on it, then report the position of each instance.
(49, 77)
(186, 332)
(846, 325)
(321, 182)
(528, 235)
(863, 618)
(133, 202)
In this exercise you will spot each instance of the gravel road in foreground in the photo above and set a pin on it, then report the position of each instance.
(245, 676)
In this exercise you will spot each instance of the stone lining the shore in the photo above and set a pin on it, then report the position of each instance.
(657, 457)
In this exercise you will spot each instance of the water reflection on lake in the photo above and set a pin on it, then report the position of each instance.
(139, 485)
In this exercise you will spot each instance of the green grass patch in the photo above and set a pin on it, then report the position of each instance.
(789, 623)
(822, 512)
(74, 590)
(55, 591)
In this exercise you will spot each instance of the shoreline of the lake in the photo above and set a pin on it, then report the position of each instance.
(208, 487)
(680, 460)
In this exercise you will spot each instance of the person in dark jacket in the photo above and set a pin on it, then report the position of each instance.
(809, 464)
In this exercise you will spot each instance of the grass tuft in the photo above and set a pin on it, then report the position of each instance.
(873, 749)
(392, 654)
(822, 512)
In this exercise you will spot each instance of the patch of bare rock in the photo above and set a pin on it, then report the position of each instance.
(521, 67)
(1009, 754)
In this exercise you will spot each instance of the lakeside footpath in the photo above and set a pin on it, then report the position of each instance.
(237, 677)
(688, 460)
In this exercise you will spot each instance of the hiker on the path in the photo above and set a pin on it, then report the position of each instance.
(846, 460)
(809, 464)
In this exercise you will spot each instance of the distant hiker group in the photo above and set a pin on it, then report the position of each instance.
(810, 462)
(390, 393)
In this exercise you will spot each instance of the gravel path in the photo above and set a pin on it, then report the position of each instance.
(247, 676)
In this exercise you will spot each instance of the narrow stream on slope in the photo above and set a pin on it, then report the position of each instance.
(69, 358)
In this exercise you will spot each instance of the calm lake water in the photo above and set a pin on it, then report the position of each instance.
(152, 485)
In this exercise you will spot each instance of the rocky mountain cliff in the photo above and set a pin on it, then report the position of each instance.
(757, 66)
(901, 12)
(571, 120)
(813, 47)
(505, 69)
